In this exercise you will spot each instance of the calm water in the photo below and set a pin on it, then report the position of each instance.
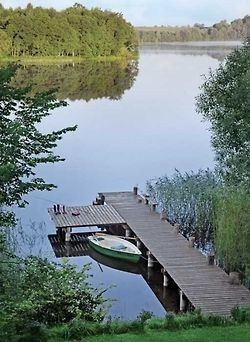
(132, 126)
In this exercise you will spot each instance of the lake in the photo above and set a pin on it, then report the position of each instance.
(136, 121)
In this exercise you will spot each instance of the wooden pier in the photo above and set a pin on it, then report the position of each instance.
(205, 285)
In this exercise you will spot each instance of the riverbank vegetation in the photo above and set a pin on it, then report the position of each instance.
(75, 31)
(145, 326)
(214, 206)
(238, 29)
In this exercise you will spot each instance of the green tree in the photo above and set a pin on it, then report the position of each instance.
(224, 101)
(5, 43)
(22, 145)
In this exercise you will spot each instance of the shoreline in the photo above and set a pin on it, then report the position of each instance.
(63, 59)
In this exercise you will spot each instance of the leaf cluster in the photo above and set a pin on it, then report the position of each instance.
(22, 145)
(224, 101)
(36, 292)
(75, 31)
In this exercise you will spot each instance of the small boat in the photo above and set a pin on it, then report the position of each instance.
(115, 247)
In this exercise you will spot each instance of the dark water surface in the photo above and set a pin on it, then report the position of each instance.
(134, 123)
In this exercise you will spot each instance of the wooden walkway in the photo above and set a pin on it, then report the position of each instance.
(206, 286)
(88, 216)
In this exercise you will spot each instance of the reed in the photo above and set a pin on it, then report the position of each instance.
(189, 200)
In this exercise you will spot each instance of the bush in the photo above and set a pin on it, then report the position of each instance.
(241, 314)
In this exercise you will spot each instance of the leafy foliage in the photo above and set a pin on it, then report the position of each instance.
(75, 31)
(225, 102)
(35, 291)
(22, 145)
(188, 200)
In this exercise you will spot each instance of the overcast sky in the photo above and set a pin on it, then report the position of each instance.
(156, 12)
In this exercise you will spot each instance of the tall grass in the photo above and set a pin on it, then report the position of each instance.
(189, 200)
(218, 215)
(232, 234)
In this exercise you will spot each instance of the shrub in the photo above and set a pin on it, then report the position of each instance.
(241, 314)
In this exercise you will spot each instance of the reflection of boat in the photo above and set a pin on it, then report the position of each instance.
(114, 247)
(117, 264)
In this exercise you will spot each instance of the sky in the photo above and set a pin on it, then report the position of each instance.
(156, 12)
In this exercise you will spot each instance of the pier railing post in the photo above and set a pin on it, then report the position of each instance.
(67, 234)
(135, 190)
(234, 278)
(127, 232)
(163, 215)
(153, 206)
(165, 277)
(182, 301)
(210, 258)
(150, 259)
(191, 241)
(176, 228)
(138, 243)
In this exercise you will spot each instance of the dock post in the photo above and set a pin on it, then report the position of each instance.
(191, 241)
(138, 243)
(210, 258)
(68, 234)
(127, 232)
(234, 278)
(176, 228)
(163, 215)
(165, 277)
(135, 190)
(182, 301)
(150, 259)
(153, 206)
(102, 199)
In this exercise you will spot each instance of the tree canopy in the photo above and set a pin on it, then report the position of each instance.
(22, 145)
(75, 31)
(224, 101)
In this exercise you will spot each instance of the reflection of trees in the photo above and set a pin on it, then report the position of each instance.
(218, 52)
(88, 80)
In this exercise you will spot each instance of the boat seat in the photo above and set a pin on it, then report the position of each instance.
(119, 247)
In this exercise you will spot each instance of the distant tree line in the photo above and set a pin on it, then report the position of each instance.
(75, 31)
(236, 30)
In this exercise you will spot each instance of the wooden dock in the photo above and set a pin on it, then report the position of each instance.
(206, 286)
(85, 216)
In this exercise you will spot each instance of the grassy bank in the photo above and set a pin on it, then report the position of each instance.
(240, 333)
(62, 59)
(192, 326)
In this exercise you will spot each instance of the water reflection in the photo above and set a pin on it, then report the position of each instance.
(149, 132)
(78, 246)
(217, 50)
(84, 81)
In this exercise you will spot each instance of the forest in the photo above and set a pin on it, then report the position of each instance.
(75, 31)
(236, 30)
